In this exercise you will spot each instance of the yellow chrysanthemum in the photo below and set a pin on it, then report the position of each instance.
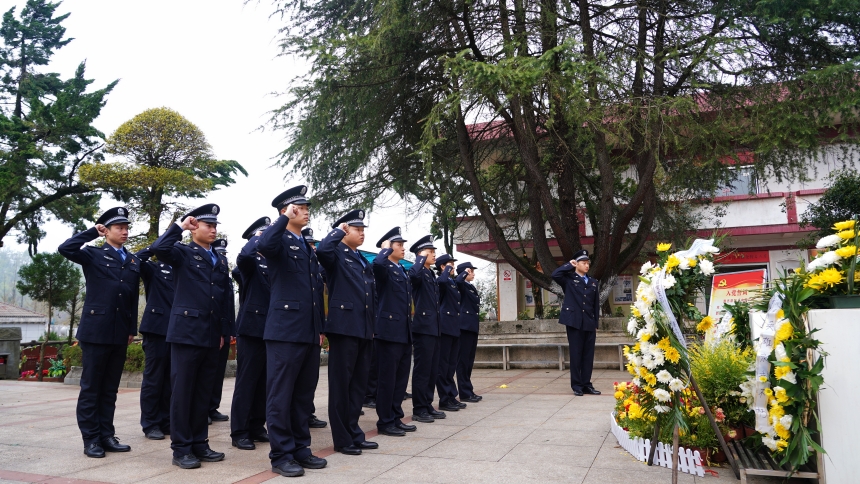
(672, 355)
(664, 344)
(651, 379)
(619, 395)
(663, 246)
(825, 279)
(705, 324)
(634, 411)
(672, 262)
(785, 331)
(781, 445)
(846, 251)
(780, 395)
(846, 225)
(762, 379)
(780, 314)
(846, 234)
(692, 262)
(636, 347)
(645, 337)
(635, 312)
(781, 371)
(782, 431)
(776, 411)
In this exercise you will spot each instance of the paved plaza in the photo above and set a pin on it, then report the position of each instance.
(528, 428)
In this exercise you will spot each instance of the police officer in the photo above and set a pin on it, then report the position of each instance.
(155, 388)
(319, 304)
(199, 320)
(220, 246)
(349, 327)
(449, 343)
(292, 336)
(249, 395)
(425, 331)
(392, 334)
(108, 324)
(579, 313)
(469, 309)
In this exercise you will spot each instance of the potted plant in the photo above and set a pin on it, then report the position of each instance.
(834, 271)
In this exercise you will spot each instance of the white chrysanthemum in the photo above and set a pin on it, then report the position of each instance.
(669, 281)
(637, 382)
(747, 388)
(676, 385)
(779, 351)
(684, 264)
(659, 359)
(648, 362)
(786, 421)
(769, 442)
(649, 318)
(830, 257)
(644, 346)
(706, 266)
(662, 395)
(815, 265)
(646, 294)
(630, 357)
(662, 408)
(643, 333)
(631, 326)
(651, 327)
(646, 267)
(664, 376)
(790, 377)
(655, 351)
(829, 241)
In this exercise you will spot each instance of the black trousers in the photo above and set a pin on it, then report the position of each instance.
(193, 371)
(155, 388)
(223, 354)
(248, 411)
(293, 372)
(348, 370)
(99, 384)
(372, 378)
(394, 362)
(426, 350)
(465, 362)
(581, 345)
(449, 354)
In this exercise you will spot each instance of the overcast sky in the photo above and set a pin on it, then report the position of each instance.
(215, 62)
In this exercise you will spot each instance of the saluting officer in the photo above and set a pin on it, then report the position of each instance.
(469, 326)
(425, 331)
(220, 247)
(579, 313)
(349, 327)
(249, 396)
(198, 322)
(392, 334)
(155, 388)
(292, 336)
(108, 324)
(449, 343)
(319, 304)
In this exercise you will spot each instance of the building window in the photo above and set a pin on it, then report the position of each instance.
(744, 184)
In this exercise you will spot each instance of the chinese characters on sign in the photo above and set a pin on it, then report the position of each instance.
(734, 287)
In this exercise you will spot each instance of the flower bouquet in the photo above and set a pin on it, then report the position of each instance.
(833, 272)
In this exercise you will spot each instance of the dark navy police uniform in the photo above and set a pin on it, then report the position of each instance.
(449, 343)
(155, 389)
(248, 411)
(108, 318)
(199, 319)
(392, 337)
(425, 331)
(470, 306)
(579, 314)
(220, 246)
(291, 334)
(349, 328)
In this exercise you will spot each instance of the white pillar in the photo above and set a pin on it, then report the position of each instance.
(506, 281)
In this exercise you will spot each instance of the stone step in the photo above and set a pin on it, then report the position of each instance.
(544, 326)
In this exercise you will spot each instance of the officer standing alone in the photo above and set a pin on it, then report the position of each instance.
(469, 326)
(108, 324)
(579, 314)
(198, 322)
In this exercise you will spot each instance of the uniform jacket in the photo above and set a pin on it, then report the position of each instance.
(231, 311)
(319, 293)
(255, 293)
(449, 302)
(425, 294)
(394, 315)
(200, 313)
(109, 314)
(351, 288)
(581, 306)
(470, 305)
(159, 287)
(291, 315)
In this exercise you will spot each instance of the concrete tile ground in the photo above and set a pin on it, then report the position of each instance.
(534, 430)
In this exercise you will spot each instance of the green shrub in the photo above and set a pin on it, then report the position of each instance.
(719, 370)
(73, 356)
(135, 358)
(551, 312)
(524, 316)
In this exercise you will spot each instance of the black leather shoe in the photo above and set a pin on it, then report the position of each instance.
(244, 444)
(111, 444)
(392, 431)
(370, 404)
(406, 427)
(578, 393)
(407, 396)
(472, 399)
(448, 408)
(264, 437)
(165, 430)
(94, 450)
(590, 391)
(187, 462)
(154, 434)
(437, 414)
(423, 418)
(368, 445)
(459, 404)
(218, 417)
(316, 423)
(348, 450)
(312, 462)
(210, 455)
(289, 469)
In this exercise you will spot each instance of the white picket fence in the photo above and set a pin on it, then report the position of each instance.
(689, 462)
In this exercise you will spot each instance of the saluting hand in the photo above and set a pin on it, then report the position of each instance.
(386, 244)
(469, 271)
(572, 262)
(190, 223)
(344, 227)
(291, 212)
(102, 230)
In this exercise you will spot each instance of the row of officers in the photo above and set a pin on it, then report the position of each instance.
(380, 317)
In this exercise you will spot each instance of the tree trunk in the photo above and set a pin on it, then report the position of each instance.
(41, 363)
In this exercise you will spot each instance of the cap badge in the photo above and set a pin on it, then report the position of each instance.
(304, 190)
(360, 214)
(215, 210)
(120, 211)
